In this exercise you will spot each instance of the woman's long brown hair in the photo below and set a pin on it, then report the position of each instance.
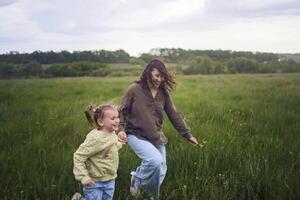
(169, 81)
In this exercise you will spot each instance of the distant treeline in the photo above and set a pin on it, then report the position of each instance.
(51, 57)
(96, 63)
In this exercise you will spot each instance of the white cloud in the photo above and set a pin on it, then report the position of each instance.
(155, 13)
(257, 4)
(251, 8)
(7, 2)
(137, 26)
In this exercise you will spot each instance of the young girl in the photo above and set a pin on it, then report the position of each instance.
(96, 160)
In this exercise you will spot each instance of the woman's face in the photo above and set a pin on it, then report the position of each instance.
(156, 78)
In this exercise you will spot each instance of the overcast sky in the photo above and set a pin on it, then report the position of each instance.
(139, 25)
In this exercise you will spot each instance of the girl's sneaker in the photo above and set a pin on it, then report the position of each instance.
(76, 196)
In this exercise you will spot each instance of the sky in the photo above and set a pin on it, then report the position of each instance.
(137, 26)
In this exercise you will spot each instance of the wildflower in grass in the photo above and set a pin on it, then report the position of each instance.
(202, 144)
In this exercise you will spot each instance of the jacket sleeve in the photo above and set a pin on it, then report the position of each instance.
(125, 108)
(175, 117)
(87, 149)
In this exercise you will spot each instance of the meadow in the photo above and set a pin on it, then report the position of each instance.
(248, 127)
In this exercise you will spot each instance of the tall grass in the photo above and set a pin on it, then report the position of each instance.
(247, 125)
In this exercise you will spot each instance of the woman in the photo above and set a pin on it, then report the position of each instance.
(142, 118)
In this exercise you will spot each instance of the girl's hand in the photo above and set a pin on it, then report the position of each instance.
(90, 183)
(193, 141)
(122, 137)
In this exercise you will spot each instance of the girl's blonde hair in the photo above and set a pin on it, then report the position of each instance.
(94, 114)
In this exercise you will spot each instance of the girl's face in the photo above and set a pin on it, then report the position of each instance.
(156, 78)
(110, 121)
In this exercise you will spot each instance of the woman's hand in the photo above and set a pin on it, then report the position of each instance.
(122, 137)
(193, 141)
(89, 183)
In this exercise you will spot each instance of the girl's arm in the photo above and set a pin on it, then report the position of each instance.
(87, 149)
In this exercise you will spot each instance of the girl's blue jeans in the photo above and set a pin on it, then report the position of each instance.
(103, 190)
(152, 171)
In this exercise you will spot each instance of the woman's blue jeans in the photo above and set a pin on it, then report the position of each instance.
(103, 190)
(152, 171)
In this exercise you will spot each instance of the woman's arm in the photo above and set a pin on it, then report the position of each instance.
(193, 141)
(124, 111)
(122, 138)
(177, 120)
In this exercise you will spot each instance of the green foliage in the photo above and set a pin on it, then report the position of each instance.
(76, 69)
(178, 55)
(60, 70)
(202, 65)
(137, 61)
(92, 69)
(291, 66)
(267, 67)
(88, 63)
(50, 57)
(6, 70)
(32, 69)
(242, 65)
(247, 126)
(101, 72)
(198, 65)
(147, 57)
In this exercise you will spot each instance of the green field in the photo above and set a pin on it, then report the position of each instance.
(248, 127)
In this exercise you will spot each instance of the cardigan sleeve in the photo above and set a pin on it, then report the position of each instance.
(87, 149)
